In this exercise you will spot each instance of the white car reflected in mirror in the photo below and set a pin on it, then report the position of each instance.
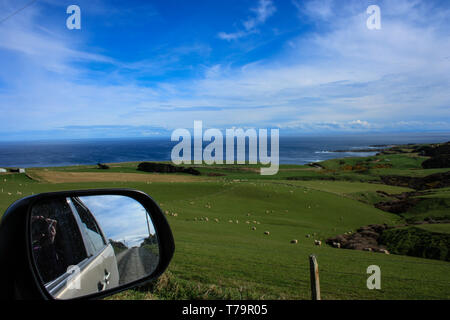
(83, 245)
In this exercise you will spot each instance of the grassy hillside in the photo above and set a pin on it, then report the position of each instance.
(215, 260)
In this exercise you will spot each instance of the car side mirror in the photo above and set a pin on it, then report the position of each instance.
(84, 244)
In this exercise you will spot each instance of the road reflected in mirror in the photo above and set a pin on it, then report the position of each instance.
(83, 245)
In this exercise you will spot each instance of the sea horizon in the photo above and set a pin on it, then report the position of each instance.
(292, 149)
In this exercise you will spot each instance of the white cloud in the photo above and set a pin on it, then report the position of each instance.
(262, 12)
(232, 36)
(321, 9)
(360, 123)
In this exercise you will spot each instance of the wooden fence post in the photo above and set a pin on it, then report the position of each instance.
(314, 273)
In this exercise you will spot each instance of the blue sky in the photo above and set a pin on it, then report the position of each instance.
(145, 68)
(121, 218)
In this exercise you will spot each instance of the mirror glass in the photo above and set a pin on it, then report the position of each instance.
(83, 245)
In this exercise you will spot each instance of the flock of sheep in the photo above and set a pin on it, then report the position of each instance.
(19, 193)
(254, 222)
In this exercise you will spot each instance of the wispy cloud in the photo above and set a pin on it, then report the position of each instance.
(261, 13)
(37, 44)
(322, 9)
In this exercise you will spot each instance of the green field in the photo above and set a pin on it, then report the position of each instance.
(216, 260)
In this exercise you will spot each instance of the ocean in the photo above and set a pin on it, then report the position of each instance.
(293, 150)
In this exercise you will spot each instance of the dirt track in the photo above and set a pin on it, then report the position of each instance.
(69, 177)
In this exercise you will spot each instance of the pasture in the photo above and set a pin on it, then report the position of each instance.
(225, 257)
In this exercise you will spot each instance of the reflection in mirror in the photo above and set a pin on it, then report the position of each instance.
(82, 245)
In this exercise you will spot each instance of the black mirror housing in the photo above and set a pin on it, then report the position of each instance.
(18, 273)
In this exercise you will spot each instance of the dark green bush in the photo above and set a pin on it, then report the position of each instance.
(413, 241)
